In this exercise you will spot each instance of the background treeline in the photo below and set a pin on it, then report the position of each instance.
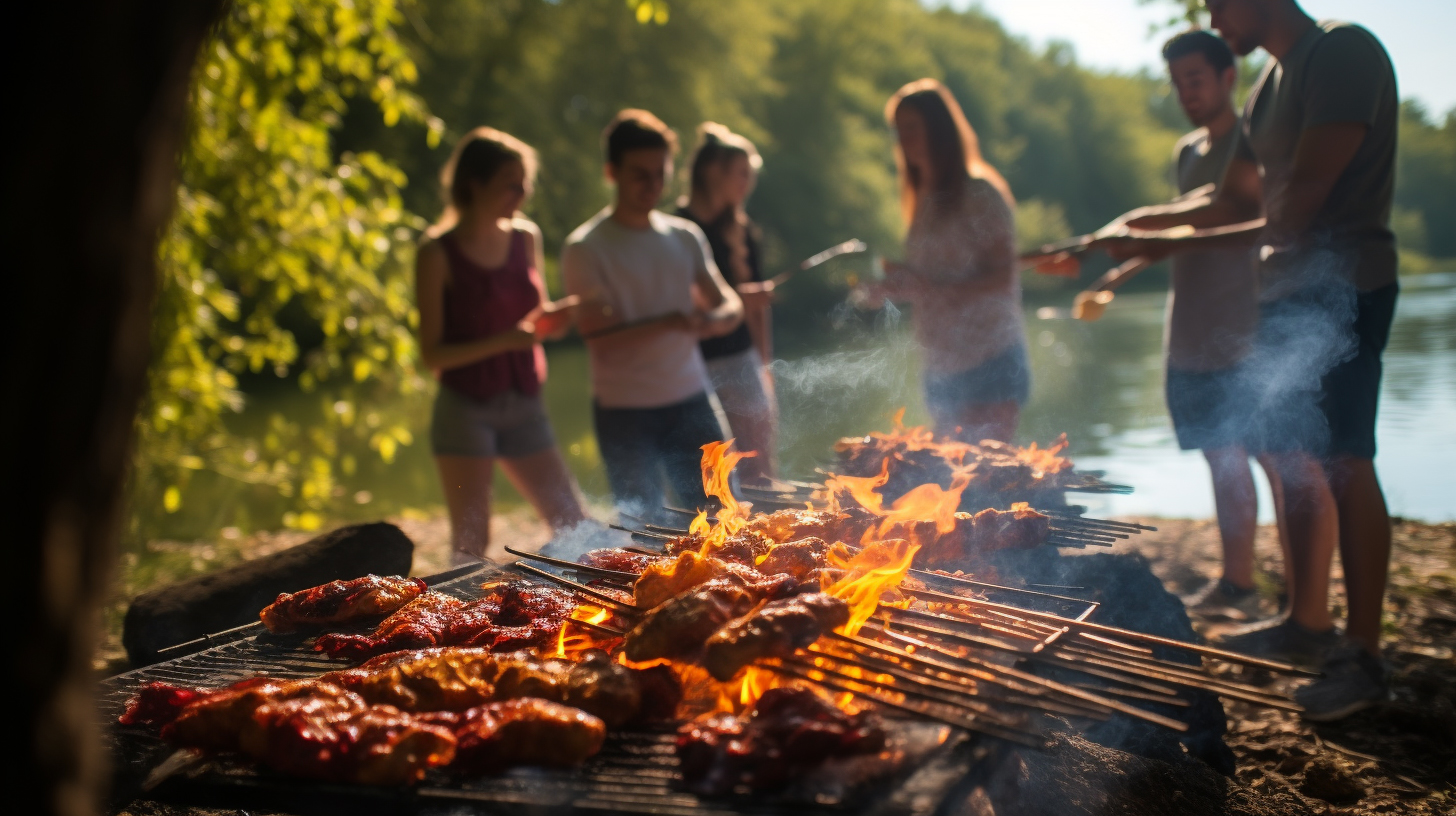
(319, 128)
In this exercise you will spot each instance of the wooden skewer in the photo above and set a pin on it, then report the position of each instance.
(616, 575)
(616, 604)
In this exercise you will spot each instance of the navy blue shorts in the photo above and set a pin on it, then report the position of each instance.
(1209, 408)
(1005, 377)
(1316, 369)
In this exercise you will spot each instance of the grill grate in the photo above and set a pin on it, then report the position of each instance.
(636, 771)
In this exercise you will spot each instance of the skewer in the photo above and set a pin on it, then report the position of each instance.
(616, 604)
(1184, 677)
(1071, 691)
(1128, 634)
(1027, 739)
(973, 672)
(616, 575)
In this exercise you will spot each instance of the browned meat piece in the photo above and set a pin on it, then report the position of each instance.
(848, 526)
(420, 623)
(525, 731)
(340, 602)
(600, 685)
(979, 534)
(682, 624)
(790, 732)
(619, 560)
(776, 630)
(796, 558)
(217, 722)
(439, 679)
(336, 739)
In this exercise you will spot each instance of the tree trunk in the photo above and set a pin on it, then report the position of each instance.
(96, 121)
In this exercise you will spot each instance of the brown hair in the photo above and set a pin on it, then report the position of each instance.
(636, 129)
(477, 157)
(718, 144)
(955, 152)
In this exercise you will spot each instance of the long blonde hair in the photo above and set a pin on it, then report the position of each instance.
(477, 157)
(953, 148)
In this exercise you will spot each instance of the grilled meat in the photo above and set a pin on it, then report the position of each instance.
(848, 526)
(979, 534)
(523, 731)
(796, 558)
(218, 720)
(515, 616)
(681, 624)
(667, 579)
(776, 630)
(789, 732)
(615, 558)
(340, 602)
(338, 739)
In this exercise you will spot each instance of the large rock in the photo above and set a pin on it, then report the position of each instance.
(232, 597)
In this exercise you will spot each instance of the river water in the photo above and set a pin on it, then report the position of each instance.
(1100, 383)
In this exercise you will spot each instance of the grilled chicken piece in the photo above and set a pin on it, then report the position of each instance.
(618, 559)
(439, 679)
(340, 602)
(668, 579)
(776, 630)
(338, 739)
(790, 732)
(979, 534)
(524, 731)
(682, 624)
(514, 616)
(794, 525)
(217, 721)
(795, 558)
(418, 624)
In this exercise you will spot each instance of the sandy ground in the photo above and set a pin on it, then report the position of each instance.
(1400, 758)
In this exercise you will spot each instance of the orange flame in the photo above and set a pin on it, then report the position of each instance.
(1045, 461)
(577, 640)
(881, 565)
(719, 459)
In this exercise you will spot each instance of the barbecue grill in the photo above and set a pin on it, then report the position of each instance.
(636, 771)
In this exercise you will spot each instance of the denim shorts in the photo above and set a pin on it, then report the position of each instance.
(511, 425)
(1003, 378)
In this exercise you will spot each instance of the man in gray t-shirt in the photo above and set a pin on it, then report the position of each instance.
(1211, 319)
(1320, 127)
(650, 293)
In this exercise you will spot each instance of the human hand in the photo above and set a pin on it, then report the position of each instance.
(554, 318)
(1062, 265)
(1091, 304)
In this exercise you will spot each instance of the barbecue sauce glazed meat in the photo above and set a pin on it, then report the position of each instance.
(789, 732)
(340, 602)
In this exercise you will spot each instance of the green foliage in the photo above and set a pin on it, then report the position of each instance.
(285, 261)
(1425, 192)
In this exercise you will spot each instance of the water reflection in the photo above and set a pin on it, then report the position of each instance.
(1101, 383)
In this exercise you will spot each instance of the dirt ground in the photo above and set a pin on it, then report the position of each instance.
(1400, 758)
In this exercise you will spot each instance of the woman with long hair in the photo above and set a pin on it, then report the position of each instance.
(724, 169)
(483, 313)
(960, 272)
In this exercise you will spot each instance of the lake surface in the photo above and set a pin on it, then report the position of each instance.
(1101, 383)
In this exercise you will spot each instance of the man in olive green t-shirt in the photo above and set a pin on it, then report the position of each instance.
(1320, 126)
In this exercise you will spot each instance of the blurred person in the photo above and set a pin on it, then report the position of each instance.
(960, 269)
(724, 168)
(1320, 126)
(1211, 320)
(483, 313)
(649, 292)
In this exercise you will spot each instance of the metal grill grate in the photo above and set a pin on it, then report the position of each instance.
(636, 771)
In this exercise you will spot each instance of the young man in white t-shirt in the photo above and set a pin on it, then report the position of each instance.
(650, 291)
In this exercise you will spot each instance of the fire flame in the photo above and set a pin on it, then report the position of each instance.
(719, 459)
(926, 502)
(880, 566)
(1045, 461)
(571, 643)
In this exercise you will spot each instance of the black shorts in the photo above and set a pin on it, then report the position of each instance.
(1314, 376)
(1208, 408)
(1351, 390)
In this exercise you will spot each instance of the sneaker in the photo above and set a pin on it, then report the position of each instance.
(1280, 638)
(1226, 601)
(1353, 681)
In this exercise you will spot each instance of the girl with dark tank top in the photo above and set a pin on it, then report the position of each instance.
(723, 171)
(483, 312)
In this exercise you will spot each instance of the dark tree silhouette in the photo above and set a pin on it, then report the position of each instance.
(97, 114)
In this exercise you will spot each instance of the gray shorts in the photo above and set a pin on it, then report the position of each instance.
(510, 425)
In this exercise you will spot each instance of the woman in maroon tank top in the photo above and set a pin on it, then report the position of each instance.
(483, 312)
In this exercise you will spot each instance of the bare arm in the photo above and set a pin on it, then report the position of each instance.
(432, 271)
(722, 308)
(1239, 199)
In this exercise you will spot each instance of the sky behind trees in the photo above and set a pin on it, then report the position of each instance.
(1114, 34)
